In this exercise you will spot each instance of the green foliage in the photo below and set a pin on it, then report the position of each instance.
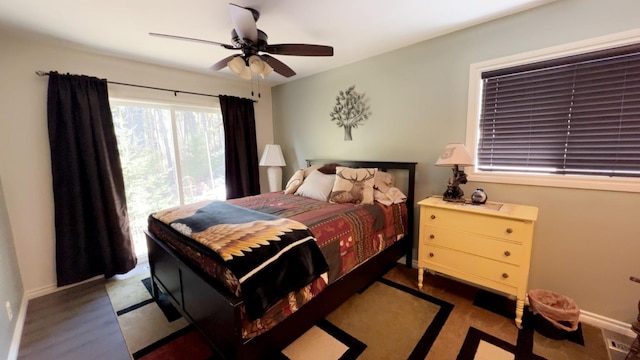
(146, 147)
(143, 156)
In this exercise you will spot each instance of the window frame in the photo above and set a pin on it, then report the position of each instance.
(549, 180)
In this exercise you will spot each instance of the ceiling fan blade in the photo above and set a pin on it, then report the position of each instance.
(176, 37)
(278, 66)
(244, 22)
(299, 49)
(222, 63)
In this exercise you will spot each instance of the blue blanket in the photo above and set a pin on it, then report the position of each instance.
(270, 256)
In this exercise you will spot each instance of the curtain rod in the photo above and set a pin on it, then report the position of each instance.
(175, 92)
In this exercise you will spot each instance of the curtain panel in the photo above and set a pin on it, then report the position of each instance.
(241, 148)
(91, 220)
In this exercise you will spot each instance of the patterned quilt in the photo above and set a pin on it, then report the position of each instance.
(347, 235)
(269, 255)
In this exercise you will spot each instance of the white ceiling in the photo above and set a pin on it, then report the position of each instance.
(357, 29)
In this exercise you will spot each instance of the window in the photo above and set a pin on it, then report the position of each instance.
(170, 156)
(570, 120)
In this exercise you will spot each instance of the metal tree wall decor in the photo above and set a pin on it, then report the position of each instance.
(351, 110)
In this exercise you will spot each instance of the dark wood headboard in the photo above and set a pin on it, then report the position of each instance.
(385, 166)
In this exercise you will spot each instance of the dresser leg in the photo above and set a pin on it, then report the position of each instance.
(519, 312)
(420, 277)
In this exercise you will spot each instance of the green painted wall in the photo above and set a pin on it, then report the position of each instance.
(10, 280)
(586, 242)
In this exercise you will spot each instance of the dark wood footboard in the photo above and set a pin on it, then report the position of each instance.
(215, 312)
(210, 307)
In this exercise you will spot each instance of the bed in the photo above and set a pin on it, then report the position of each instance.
(213, 300)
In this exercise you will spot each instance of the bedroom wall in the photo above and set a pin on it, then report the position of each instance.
(11, 288)
(586, 242)
(24, 146)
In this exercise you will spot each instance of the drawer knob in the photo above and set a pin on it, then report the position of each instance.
(509, 230)
(433, 217)
(505, 275)
(431, 254)
(432, 236)
(507, 253)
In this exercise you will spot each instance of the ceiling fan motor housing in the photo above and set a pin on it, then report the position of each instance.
(247, 43)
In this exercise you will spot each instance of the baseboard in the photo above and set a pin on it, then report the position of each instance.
(14, 347)
(50, 289)
(606, 323)
(596, 320)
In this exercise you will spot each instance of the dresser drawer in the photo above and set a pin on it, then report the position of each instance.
(487, 225)
(444, 260)
(509, 252)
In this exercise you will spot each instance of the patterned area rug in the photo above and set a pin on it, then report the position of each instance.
(385, 321)
(150, 327)
(479, 345)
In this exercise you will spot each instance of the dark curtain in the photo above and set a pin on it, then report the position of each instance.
(91, 220)
(241, 148)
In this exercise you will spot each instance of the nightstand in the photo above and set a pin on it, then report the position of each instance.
(488, 245)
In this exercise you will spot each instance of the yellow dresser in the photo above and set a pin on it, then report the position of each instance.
(488, 245)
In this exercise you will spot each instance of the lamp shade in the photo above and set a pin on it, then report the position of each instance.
(266, 71)
(236, 65)
(454, 154)
(272, 156)
(256, 64)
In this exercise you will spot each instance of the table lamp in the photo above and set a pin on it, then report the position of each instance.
(272, 157)
(455, 155)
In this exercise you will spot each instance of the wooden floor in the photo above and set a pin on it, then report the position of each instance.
(79, 323)
(75, 323)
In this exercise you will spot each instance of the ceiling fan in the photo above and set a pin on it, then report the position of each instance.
(252, 41)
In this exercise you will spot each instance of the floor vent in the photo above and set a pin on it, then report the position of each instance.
(618, 345)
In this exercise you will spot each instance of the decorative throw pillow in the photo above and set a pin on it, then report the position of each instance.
(383, 181)
(328, 168)
(392, 196)
(308, 170)
(353, 185)
(294, 182)
(316, 186)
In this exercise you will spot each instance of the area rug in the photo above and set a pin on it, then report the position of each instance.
(384, 321)
(479, 345)
(392, 320)
(146, 325)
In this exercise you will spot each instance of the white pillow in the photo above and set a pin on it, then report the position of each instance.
(294, 183)
(317, 186)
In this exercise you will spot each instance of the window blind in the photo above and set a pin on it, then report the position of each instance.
(577, 115)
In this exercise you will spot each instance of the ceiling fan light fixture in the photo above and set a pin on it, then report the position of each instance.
(246, 37)
(236, 65)
(256, 64)
(266, 71)
(245, 73)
